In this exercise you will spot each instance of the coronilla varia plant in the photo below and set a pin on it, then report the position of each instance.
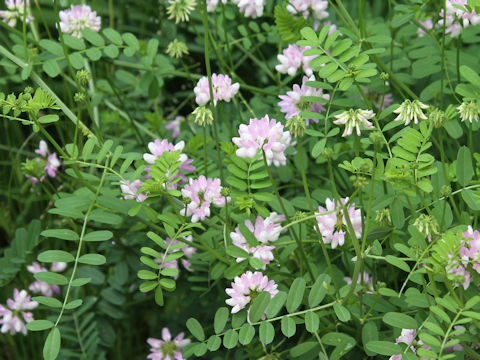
(239, 179)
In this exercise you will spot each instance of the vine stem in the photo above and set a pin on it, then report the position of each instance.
(282, 205)
(209, 75)
(80, 243)
(310, 204)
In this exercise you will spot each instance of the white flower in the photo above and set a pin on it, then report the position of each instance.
(353, 119)
(411, 110)
(468, 111)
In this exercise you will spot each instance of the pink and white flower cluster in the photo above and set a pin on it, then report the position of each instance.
(246, 287)
(15, 12)
(364, 279)
(174, 126)
(212, 4)
(167, 348)
(266, 134)
(292, 58)
(456, 18)
(222, 87)
(42, 287)
(333, 227)
(158, 147)
(318, 8)
(51, 161)
(469, 255)
(202, 193)
(292, 103)
(131, 190)
(187, 250)
(14, 315)
(265, 231)
(408, 337)
(251, 8)
(78, 18)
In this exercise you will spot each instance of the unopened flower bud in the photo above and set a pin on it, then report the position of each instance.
(28, 90)
(225, 191)
(177, 49)
(446, 191)
(297, 126)
(437, 117)
(376, 137)
(384, 76)
(383, 217)
(79, 97)
(203, 116)
(83, 77)
(328, 153)
(358, 181)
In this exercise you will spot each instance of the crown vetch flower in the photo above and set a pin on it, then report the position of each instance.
(306, 7)
(333, 227)
(158, 147)
(167, 348)
(367, 282)
(352, 119)
(39, 168)
(250, 8)
(465, 18)
(188, 251)
(78, 18)
(130, 190)
(411, 110)
(292, 58)
(212, 4)
(12, 315)
(247, 287)
(266, 134)
(428, 24)
(468, 111)
(42, 287)
(265, 231)
(174, 125)
(222, 87)
(202, 192)
(15, 12)
(292, 103)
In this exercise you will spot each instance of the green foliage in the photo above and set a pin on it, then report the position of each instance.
(287, 25)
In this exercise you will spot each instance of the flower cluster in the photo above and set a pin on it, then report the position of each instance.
(222, 87)
(201, 193)
(247, 287)
(130, 190)
(318, 8)
(212, 4)
(158, 147)
(365, 280)
(263, 134)
(174, 126)
(187, 250)
(428, 24)
(251, 8)
(265, 231)
(15, 12)
(469, 111)
(292, 103)
(78, 18)
(411, 110)
(333, 227)
(455, 13)
(292, 58)
(167, 348)
(11, 316)
(408, 337)
(469, 255)
(352, 119)
(38, 168)
(180, 9)
(42, 287)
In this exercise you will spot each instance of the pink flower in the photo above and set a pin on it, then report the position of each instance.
(333, 227)
(187, 250)
(52, 165)
(212, 4)
(42, 149)
(167, 348)
(292, 59)
(202, 192)
(222, 87)
(292, 103)
(130, 190)
(265, 231)
(453, 13)
(367, 282)
(79, 17)
(428, 24)
(248, 286)
(263, 134)
(158, 147)
(250, 8)
(15, 12)
(11, 320)
(42, 287)
(174, 125)
(306, 7)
